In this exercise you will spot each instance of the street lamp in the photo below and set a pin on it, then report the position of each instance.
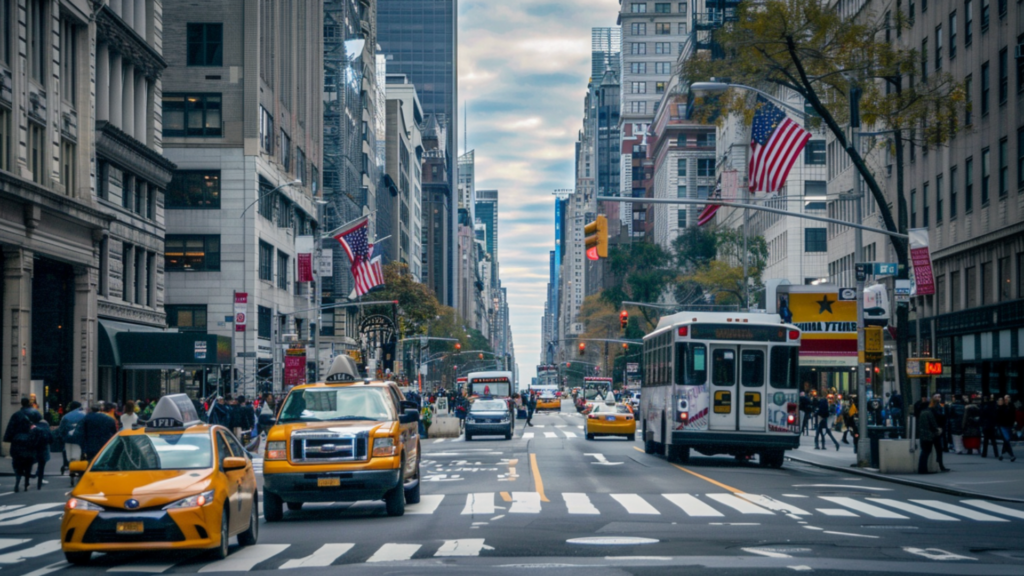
(714, 87)
(268, 193)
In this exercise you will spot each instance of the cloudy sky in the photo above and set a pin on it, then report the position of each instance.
(523, 67)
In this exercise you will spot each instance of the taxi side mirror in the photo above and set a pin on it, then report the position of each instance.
(78, 467)
(234, 463)
(410, 416)
(409, 405)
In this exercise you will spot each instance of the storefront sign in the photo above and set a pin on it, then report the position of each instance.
(828, 324)
(241, 310)
(200, 349)
(922, 261)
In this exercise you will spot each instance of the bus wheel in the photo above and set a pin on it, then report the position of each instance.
(648, 444)
(775, 458)
(680, 454)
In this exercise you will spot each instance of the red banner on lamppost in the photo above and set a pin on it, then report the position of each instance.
(294, 367)
(241, 310)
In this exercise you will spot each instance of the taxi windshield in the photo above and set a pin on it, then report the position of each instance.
(332, 404)
(610, 409)
(488, 406)
(155, 452)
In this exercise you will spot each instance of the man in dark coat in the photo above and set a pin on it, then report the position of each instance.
(18, 434)
(807, 409)
(989, 411)
(41, 438)
(95, 430)
(928, 431)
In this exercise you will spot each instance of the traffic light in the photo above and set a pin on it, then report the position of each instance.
(625, 347)
(583, 348)
(596, 240)
(623, 319)
(568, 364)
(480, 356)
(458, 347)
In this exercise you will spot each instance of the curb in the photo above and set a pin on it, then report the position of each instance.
(905, 482)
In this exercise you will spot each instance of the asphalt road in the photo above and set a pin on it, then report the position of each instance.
(550, 501)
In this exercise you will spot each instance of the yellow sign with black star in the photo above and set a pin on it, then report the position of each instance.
(828, 324)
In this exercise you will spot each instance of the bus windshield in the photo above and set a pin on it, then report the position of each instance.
(491, 387)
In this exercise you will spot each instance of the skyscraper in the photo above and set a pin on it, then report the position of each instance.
(487, 213)
(605, 50)
(420, 38)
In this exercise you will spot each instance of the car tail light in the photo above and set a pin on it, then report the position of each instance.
(791, 409)
(794, 334)
(684, 330)
(629, 417)
(592, 416)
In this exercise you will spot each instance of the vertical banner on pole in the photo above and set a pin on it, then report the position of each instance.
(241, 310)
(922, 261)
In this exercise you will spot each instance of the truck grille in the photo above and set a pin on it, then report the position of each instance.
(327, 447)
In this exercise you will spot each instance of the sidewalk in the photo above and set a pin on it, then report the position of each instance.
(971, 476)
(52, 467)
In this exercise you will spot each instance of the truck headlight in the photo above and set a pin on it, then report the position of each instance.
(383, 447)
(192, 501)
(276, 451)
(79, 504)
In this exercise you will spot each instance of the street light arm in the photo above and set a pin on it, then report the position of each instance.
(265, 194)
(713, 87)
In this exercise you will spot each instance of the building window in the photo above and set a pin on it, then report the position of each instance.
(36, 152)
(205, 44)
(954, 292)
(282, 270)
(705, 167)
(638, 48)
(68, 59)
(938, 47)
(952, 192)
(984, 89)
(1020, 275)
(985, 5)
(659, 87)
(638, 7)
(662, 7)
(638, 68)
(924, 205)
(682, 30)
(266, 131)
(6, 14)
(194, 189)
(968, 21)
(192, 252)
(5, 139)
(638, 107)
(186, 317)
(986, 283)
(706, 139)
(192, 115)
(815, 240)
(984, 175)
(638, 28)
(1004, 279)
(300, 165)
(913, 208)
(266, 262)
(971, 287)
(938, 199)
(681, 192)
(1020, 159)
(68, 151)
(638, 87)
(37, 39)
(924, 59)
(681, 219)
(1004, 168)
(286, 151)
(940, 294)
(681, 166)
(266, 200)
(814, 153)
(969, 186)
(662, 47)
(662, 67)
(969, 108)
(1004, 76)
(264, 322)
(952, 34)
(663, 28)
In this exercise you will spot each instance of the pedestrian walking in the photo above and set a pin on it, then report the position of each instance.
(928, 431)
(129, 418)
(955, 421)
(849, 419)
(972, 427)
(939, 411)
(895, 408)
(822, 413)
(1005, 418)
(267, 412)
(41, 438)
(95, 430)
(220, 413)
(807, 410)
(19, 435)
(989, 410)
(66, 431)
(531, 406)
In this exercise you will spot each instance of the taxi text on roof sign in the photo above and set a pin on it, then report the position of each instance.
(173, 411)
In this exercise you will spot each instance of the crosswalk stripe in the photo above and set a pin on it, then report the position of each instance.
(912, 509)
(41, 549)
(635, 504)
(578, 503)
(960, 511)
(527, 435)
(479, 503)
(49, 569)
(864, 507)
(841, 512)
(26, 519)
(691, 505)
(996, 508)
(439, 440)
(428, 504)
(550, 435)
(570, 434)
(246, 558)
(325, 556)
(9, 507)
(22, 511)
(739, 504)
(464, 547)
(774, 505)
(11, 542)
(580, 427)
(525, 503)
(394, 553)
(142, 568)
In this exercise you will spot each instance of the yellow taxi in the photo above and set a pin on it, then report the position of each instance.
(549, 402)
(176, 484)
(342, 440)
(610, 419)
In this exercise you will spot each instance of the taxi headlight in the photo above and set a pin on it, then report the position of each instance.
(383, 447)
(505, 418)
(276, 451)
(192, 501)
(79, 504)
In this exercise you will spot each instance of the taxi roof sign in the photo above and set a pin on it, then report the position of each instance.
(173, 412)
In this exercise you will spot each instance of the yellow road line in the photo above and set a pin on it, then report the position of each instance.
(538, 484)
(705, 478)
(506, 496)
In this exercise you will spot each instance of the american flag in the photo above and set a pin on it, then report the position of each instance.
(775, 144)
(366, 269)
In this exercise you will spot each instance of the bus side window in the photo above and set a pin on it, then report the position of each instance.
(724, 367)
(697, 365)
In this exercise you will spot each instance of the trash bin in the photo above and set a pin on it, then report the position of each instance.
(876, 433)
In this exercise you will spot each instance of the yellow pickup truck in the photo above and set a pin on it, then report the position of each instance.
(342, 440)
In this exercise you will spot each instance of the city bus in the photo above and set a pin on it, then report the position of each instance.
(494, 384)
(721, 383)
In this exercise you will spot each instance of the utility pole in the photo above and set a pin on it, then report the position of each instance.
(318, 297)
(863, 446)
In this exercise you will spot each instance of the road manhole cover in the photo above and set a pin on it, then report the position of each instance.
(611, 541)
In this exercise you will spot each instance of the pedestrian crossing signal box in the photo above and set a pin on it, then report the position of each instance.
(596, 240)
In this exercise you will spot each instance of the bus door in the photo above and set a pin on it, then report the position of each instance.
(752, 388)
(738, 387)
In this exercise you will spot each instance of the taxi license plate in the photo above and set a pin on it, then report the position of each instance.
(611, 418)
(129, 528)
(328, 482)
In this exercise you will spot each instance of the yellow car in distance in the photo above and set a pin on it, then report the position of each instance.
(549, 403)
(176, 484)
(610, 419)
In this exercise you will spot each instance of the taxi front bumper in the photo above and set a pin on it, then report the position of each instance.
(619, 427)
(341, 486)
(549, 405)
(186, 529)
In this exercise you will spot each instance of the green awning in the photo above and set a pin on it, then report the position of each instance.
(133, 346)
